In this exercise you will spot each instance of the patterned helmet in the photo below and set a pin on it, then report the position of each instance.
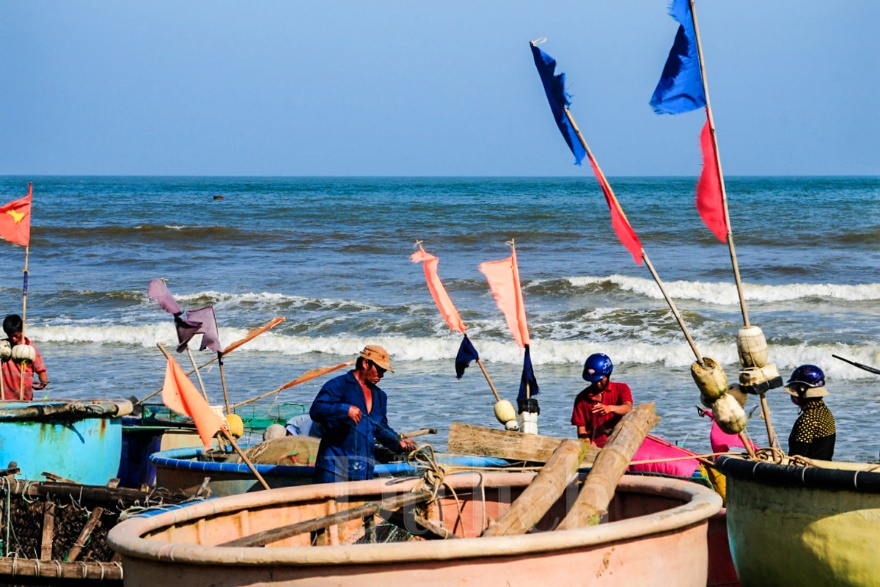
(809, 375)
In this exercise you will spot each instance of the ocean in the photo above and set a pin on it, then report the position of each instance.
(332, 256)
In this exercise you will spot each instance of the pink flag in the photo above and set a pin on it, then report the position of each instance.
(619, 223)
(180, 395)
(159, 291)
(710, 203)
(438, 292)
(503, 278)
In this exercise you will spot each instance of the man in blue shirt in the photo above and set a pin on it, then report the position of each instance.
(352, 412)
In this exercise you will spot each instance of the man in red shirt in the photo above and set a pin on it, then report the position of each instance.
(11, 369)
(602, 403)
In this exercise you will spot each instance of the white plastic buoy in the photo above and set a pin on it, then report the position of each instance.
(757, 380)
(751, 345)
(5, 350)
(505, 414)
(529, 422)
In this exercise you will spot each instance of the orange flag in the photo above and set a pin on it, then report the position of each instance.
(503, 278)
(438, 292)
(180, 395)
(15, 220)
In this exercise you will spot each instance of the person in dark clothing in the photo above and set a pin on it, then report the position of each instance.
(814, 432)
(352, 412)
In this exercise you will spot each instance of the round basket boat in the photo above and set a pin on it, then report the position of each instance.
(654, 534)
(791, 524)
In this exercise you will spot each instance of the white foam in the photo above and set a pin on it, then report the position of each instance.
(724, 293)
(674, 355)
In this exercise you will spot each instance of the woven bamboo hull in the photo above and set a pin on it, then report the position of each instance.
(657, 536)
(57, 534)
(813, 526)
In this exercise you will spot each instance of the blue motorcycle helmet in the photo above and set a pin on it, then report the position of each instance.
(809, 375)
(597, 366)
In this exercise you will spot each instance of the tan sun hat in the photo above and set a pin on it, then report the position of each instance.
(377, 354)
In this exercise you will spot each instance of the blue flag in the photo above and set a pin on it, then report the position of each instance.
(528, 376)
(466, 354)
(554, 87)
(680, 88)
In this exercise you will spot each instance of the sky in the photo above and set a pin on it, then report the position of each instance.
(408, 88)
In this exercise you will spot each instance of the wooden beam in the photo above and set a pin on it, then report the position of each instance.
(48, 531)
(362, 511)
(468, 439)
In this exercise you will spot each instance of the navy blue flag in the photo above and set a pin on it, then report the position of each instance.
(680, 88)
(528, 377)
(554, 87)
(466, 354)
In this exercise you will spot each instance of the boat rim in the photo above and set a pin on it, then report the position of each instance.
(127, 538)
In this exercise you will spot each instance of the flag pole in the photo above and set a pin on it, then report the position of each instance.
(198, 374)
(24, 291)
(479, 361)
(654, 274)
(305, 377)
(730, 245)
(223, 381)
(228, 437)
(519, 287)
(765, 408)
(252, 334)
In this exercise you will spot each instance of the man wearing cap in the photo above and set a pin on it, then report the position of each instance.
(814, 432)
(351, 410)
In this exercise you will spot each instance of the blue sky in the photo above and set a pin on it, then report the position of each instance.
(382, 87)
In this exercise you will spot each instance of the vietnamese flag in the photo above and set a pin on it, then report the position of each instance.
(180, 395)
(710, 201)
(15, 220)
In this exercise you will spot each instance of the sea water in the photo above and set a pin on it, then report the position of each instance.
(332, 256)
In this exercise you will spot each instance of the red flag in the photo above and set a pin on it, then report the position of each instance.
(619, 223)
(180, 395)
(438, 292)
(710, 201)
(15, 220)
(503, 278)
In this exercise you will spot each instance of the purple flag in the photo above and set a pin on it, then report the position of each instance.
(207, 327)
(159, 292)
(185, 331)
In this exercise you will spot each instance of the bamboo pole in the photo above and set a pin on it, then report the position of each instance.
(544, 490)
(765, 408)
(654, 274)
(223, 382)
(479, 361)
(732, 249)
(24, 292)
(192, 360)
(307, 376)
(251, 334)
(609, 467)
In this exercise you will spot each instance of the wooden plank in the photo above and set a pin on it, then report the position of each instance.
(468, 439)
(48, 531)
(84, 534)
(362, 511)
(544, 490)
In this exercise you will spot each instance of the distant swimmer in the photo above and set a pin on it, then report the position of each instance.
(218, 197)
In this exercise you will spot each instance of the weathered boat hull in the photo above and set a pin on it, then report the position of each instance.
(181, 470)
(80, 441)
(804, 526)
(656, 536)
